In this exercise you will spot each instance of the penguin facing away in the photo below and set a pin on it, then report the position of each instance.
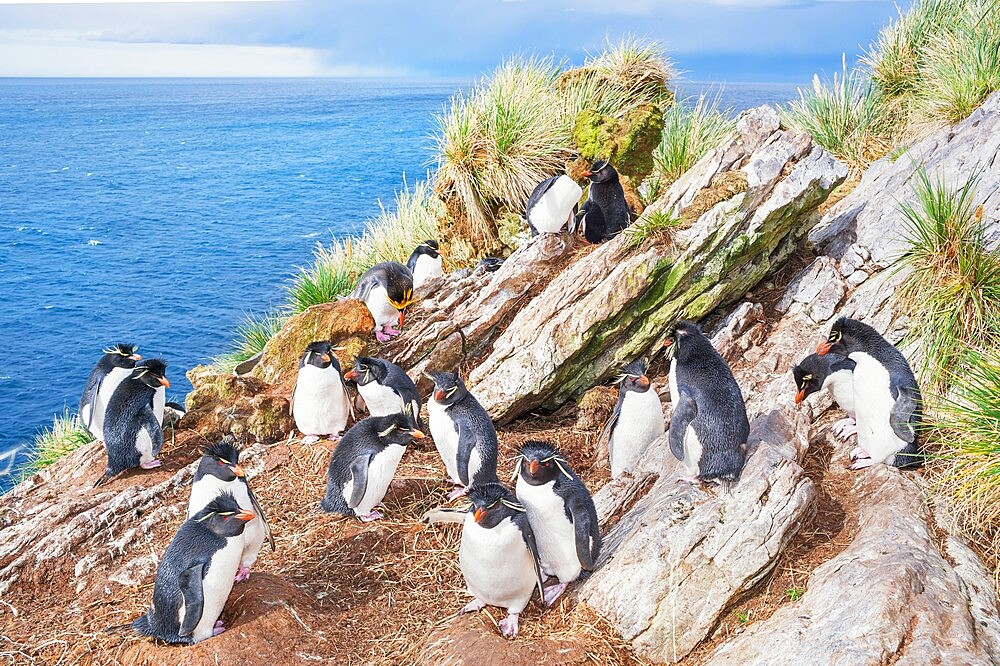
(709, 426)
(498, 554)
(219, 472)
(833, 372)
(363, 464)
(196, 574)
(887, 399)
(552, 205)
(132, 435)
(636, 421)
(114, 367)
(605, 212)
(320, 403)
(387, 290)
(386, 388)
(463, 433)
(561, 512)
(425, 263)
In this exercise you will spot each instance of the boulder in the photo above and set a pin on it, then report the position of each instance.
(245, 406)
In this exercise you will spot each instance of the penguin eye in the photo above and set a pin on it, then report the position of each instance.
(218, 462)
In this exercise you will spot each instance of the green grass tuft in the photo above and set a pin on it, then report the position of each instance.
(66, 435)
(251, 337)
(794, 593)
(649, 226)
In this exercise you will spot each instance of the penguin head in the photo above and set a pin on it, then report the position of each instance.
(221, 460)
(448, 387)
(633, 377)
(223, 516)
(684, 339)
(320, 354)
(601, 171)
(540, 463)
(367, 370)
(396, 429)
(122, 355)
(492, 503)
(848, 335)
(152, 372)
(430, 248)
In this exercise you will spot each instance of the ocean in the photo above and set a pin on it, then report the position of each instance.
(160, 211)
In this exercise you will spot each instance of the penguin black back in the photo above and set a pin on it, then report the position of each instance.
(471, 423)
(394, 277)
(428, 247)
(606, 212)
(130, 425)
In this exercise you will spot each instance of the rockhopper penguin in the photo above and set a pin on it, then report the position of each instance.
(605, 212)
(552, 205)
(386, 388)
(387, 290)
(637, 420)
(709, 426)
(196, 574)
(113, 368)
(887, 400)
(833, 372)
(561, 513)
(132, 434)
(363, 464)
(425, 263)
(463, 433)
(498, 555)
(218, 472)
(320, 403)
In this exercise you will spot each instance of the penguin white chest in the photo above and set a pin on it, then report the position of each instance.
(841, 384)
(639, 423)
(381, 469)
(554, 532)
(159, 402)
(382, 310)
(445, 436)
(554, 209)
(320, 405)
(497, 565)
(873, 403)
(217, 584)
(381, 400)
(426, 268)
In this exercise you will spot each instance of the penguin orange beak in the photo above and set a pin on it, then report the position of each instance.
(238, 471)
(668, 342)
(164, 381)
(402, 318)
(480, 514)
(246, 516)
(416, 434)
(439, 395)
(643, 381)
(800, 396)
(824, 348)
(351, 374)
(135, 357)
(326, 358)
(586, 174)
(533, 467)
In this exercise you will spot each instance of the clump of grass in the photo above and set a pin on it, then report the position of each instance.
(689, 131)
(251, 336)
(794, 593)
(66, 435)
(648, 226)
(953, 289)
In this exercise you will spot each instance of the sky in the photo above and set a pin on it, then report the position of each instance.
(709, 40)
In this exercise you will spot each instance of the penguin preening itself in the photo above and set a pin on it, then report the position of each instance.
(562, 515)
(887, 400)
(709, 426)
(637, 420)
(605, 212)
(830, 371)
(114, 367)
(498, 555)
(552, 205)
(425, 263)
(219, 472)
(196, 574)
(387, 290)
(320, 403)
(363, 464)
(463, 433)
(386, 388)
(132, 434)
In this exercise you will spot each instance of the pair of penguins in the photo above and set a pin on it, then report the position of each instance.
(213, 549)
(554, 204)
(873, 382)
(387, 287)
(123, 405)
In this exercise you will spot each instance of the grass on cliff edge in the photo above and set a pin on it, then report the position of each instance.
(66, 435)
(251, 337)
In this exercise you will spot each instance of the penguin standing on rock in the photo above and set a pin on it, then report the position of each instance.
(463, 433)
(709, 426)
(425, 263)
(552, 205)
(387, 290)
(363, 464)
(320, 403)
(113, 368)
(132, 435)
(386, 388)
(562, 515)
(637, 419)
(498, 555)
(887, 399)
(196, 574)
(219, 472)
(834, 372)
(605, 212)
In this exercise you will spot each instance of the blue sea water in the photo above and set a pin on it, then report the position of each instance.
(160, 211)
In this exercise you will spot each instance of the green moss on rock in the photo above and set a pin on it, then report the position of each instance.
(628, 142)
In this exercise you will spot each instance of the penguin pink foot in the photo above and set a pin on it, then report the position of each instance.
(844, 429)
(457, 492)
(553, 592)
(857, 453)
(862, 463)
(391, 331)
(151, 464)
(371, 516)
(508, 626)
(242, 574)
(218, 628)
(474, 606)
(310, 439)
(689, 478)
(382, 337)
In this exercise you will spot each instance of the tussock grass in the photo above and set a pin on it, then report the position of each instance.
(251, 336)
(649, 226)
(66, 435)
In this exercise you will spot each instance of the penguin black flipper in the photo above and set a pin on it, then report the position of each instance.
(194, 597)
(347, 396)
(902, 413)
(685, 411)
(591, 219)
(90, 395)
(364, 287)
(588, 536)
(359, 477)
(529, 541)
(259, 512)
(466, 442)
